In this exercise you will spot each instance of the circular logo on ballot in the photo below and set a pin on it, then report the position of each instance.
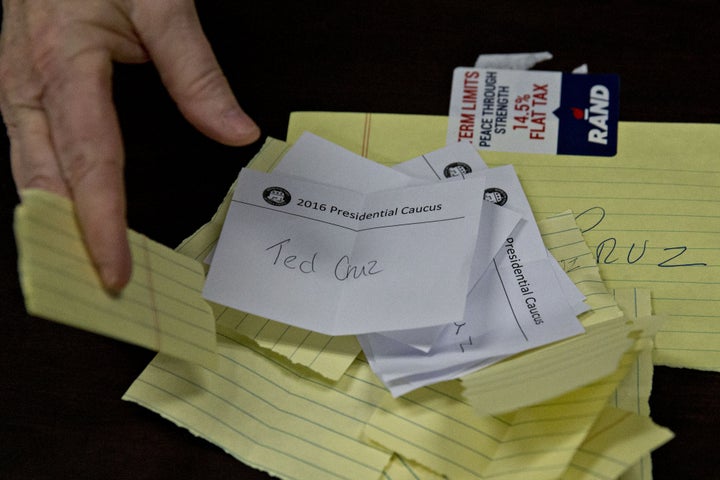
(497, 196)
(276, 196)
(457, 169)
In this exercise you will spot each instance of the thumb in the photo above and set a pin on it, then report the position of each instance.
(173, 36)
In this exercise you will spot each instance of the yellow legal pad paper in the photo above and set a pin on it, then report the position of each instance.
(616, 441)
(547, 372)
(273, 416)
(565, 242)
(269, 415)
(650, 214)
(161, 308)
(574, 435)
(435, 428)
(633, 393)
(326, 355)
(403, 469)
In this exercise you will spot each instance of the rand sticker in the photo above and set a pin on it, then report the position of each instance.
(535, 111)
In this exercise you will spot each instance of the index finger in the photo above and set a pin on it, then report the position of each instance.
(86, 137)
(173, 35)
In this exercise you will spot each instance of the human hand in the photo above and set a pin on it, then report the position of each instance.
(56, 100)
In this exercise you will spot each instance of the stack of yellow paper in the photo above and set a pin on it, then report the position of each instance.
(435, 429)
(649, 214)
(161, 307)
(280, 419)
(298, 404)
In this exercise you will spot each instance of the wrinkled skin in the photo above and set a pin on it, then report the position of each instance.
(56, 100)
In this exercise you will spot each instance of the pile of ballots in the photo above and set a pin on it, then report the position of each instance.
(436, 265)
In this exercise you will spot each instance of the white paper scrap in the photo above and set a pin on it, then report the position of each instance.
(512, 61)
(342, 262)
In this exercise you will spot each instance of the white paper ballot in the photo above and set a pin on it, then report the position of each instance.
(341, 262)
(510, 310)
(314, 158)
(523, 301)
(455, 160)
(319, 160)
(491, 331)
(322, 161)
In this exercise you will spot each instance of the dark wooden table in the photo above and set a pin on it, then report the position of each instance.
(60, 410)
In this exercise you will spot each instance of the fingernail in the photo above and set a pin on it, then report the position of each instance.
(239, 122)
(113, 279)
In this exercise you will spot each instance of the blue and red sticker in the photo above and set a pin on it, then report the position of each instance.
(535, 111)
(588, 114)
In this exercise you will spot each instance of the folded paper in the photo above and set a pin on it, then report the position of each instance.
(648, 214)
(161, 307)
(341, 262)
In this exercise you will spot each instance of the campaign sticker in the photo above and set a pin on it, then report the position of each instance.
(535, 111)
